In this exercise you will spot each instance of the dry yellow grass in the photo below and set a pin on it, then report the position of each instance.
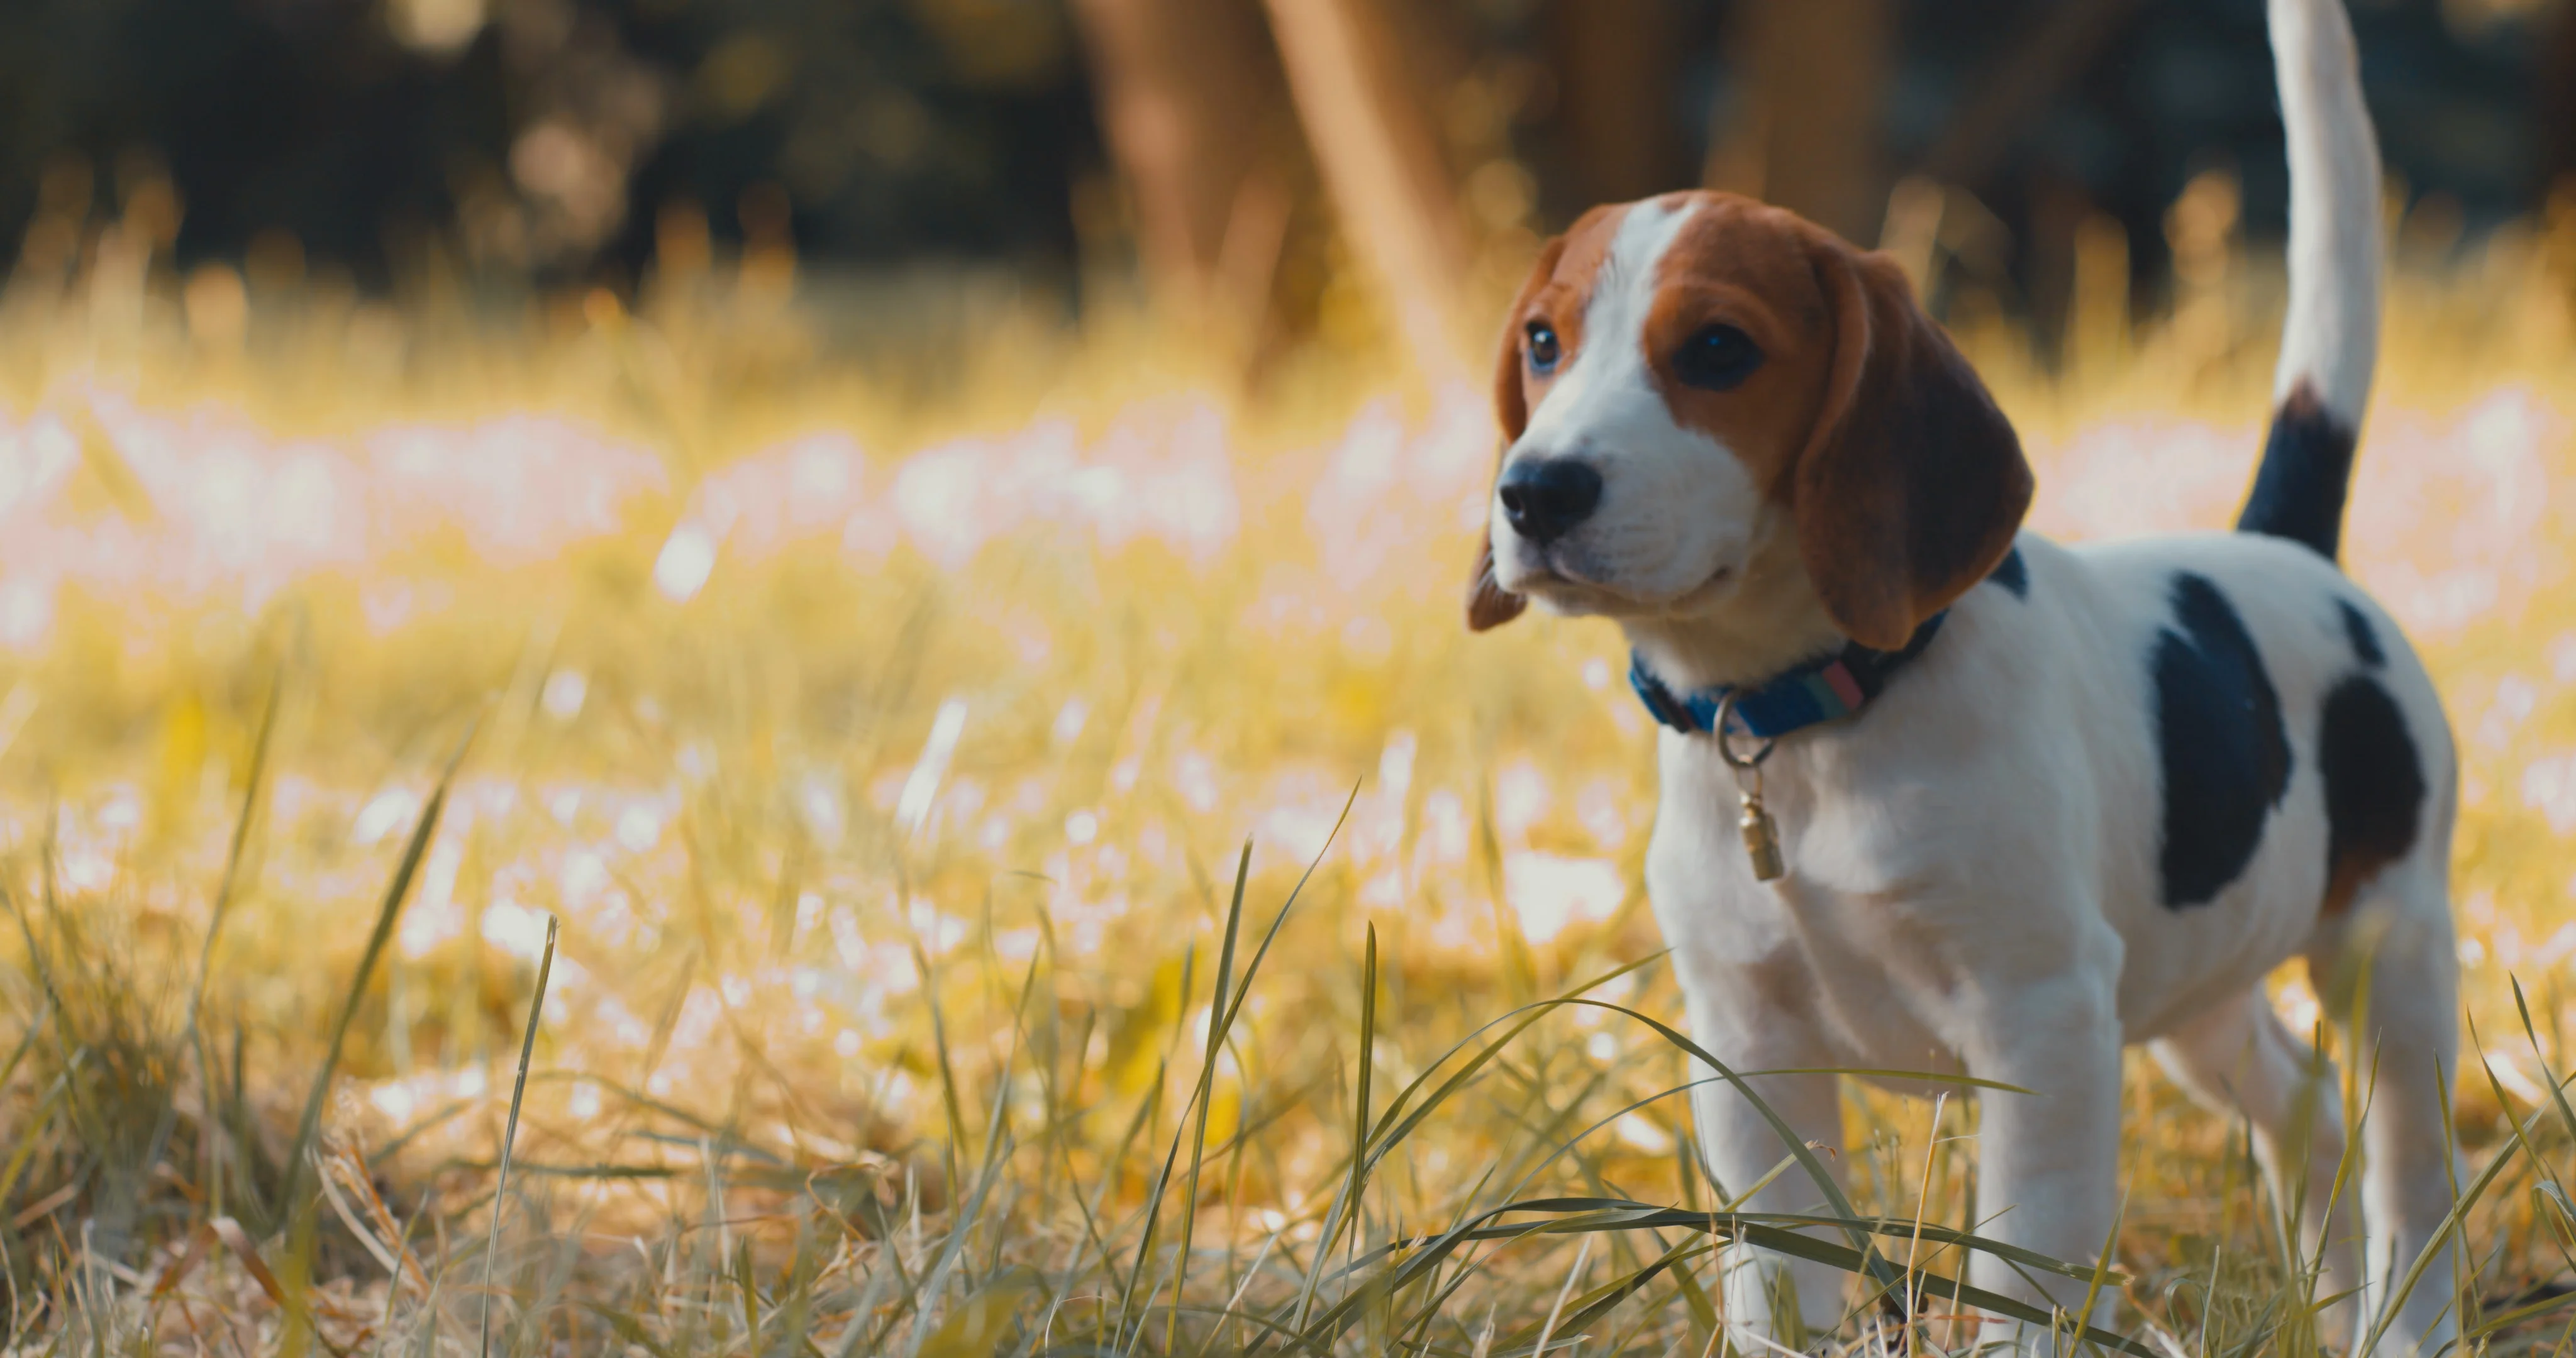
(883, 735)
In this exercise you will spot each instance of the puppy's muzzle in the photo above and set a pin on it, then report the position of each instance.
(1545, 498)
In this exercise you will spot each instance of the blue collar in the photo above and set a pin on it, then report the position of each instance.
(1826, 689)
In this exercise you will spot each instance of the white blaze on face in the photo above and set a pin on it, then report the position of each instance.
(1676, 505)
(1608, 376)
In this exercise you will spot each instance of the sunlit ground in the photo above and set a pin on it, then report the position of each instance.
(885, 752)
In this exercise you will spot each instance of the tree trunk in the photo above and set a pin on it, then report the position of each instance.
(2556, 104)
(1196, 112)
(1616, 63)
(2054, 53)
(1378, 143)
(1806, 135)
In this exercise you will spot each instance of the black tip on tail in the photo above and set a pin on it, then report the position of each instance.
(2307, 466)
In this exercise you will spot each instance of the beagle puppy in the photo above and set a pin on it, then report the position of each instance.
(2027, 803)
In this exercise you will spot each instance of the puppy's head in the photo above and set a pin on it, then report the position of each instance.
(1712, 405)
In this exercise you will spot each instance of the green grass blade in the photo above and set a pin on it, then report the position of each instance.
(1547, 1330)
(1881, 1273)
(948, 1096)
(1346, 1206)
(32, 1138)
(2449, 1227)
(226, 888)
(229, 885)
(2507, 1320)
(1253, 967)
(390, 910)
(2549, 1077)
(510, 1130)
(628, 1328)
(1207, 1088)
(1776, 1232)
(1583, 1214)
(953, 1248)
(1602, 1300)
(1221, 1023)
(1152, 1212)
(26, 1042)
(976, 1328)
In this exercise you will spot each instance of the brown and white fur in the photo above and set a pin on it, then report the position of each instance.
(2009, 864)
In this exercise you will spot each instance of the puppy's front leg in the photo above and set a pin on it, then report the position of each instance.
(1729, 1019)
(2048, 1160)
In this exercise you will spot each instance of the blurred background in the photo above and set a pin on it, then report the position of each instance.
(1217, 156)
(855, 509)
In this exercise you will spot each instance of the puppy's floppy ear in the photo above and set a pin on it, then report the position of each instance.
(1488, 604)
(1912, 483)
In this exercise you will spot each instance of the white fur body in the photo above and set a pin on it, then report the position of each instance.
(1973, 888)
(2016, 759)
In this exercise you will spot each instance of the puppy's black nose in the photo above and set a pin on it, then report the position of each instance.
(1545, 498)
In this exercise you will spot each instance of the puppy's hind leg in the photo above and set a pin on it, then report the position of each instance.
(2390, 974)
(2239, 1059)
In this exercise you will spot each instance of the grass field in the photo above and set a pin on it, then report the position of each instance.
(885, 734)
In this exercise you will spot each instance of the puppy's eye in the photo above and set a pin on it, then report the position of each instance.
(1543, 351)
(1718, 358)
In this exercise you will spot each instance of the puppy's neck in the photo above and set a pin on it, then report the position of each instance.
(1770, 623)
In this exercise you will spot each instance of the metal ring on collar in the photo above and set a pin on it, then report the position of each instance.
(1718, 731)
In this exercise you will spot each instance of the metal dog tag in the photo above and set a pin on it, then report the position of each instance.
(1761, 839)
(1761, 836)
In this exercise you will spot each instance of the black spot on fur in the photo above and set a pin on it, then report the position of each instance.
(2374, 785)
(2012, 574)
(2364, 637)
(2218, 730)
(2307, 466)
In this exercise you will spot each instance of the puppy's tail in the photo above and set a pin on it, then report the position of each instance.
(2331, 339)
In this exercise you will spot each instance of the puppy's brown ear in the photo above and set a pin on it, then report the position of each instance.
(1912, 483)
(1488, 605)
